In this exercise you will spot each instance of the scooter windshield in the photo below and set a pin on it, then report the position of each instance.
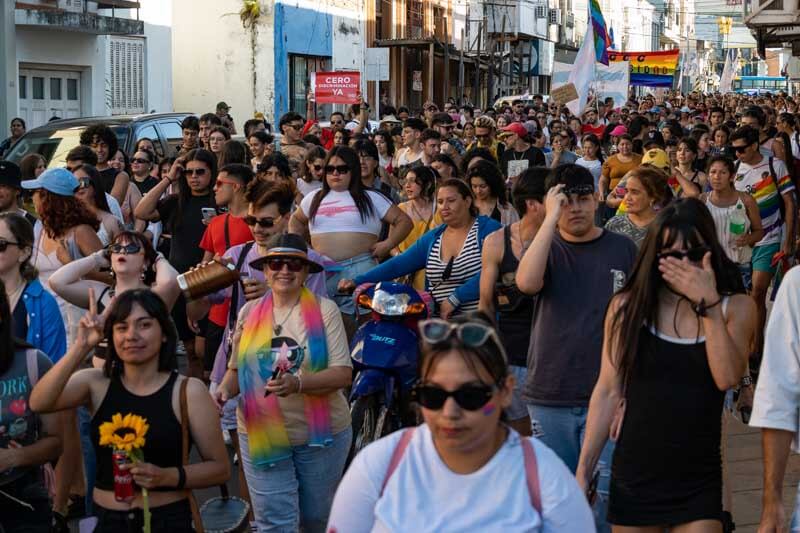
(388, 304)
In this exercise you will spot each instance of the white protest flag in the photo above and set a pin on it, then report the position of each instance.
(726, 81)
(582, 72)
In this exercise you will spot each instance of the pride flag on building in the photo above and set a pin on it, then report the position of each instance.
(602, 41)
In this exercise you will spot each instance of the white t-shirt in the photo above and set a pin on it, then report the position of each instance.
(423, 495)
(338, 213)
(594, 166)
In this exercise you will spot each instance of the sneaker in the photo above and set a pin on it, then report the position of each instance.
(235, 459)
(179, 348)
(226, 436)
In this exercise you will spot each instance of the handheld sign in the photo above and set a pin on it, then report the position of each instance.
(565, 93)
(336, 87)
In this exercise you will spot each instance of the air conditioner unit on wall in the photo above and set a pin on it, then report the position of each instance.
(541, 12)
(555, 16)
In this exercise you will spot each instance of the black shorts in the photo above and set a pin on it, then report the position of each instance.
(172, 518)
(214, 337)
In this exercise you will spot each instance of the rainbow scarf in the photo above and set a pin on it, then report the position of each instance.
(266, 430)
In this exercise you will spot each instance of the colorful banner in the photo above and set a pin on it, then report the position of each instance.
(608, 81)
(651, 69)
(336, 87)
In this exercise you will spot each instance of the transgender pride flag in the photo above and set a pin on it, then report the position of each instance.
(602, 41)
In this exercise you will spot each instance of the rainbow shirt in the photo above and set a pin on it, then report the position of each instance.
(757, 181)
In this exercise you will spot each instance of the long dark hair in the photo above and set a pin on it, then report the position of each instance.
(100, 200)
(357, 190)
(314, 153)
(184, 192)
(8, 343)
(489, 173)
(120, 310)
(684, 219)
(22, 230)
(464, 190)
(789, 160)
(150, 255)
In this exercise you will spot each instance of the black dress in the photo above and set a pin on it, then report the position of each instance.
(667, 467)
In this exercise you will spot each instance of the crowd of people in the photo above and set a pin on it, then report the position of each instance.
(599, 290)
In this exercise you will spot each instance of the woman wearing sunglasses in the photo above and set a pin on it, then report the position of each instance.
(463, 469)
(312, 171)
(345, 219)
(91, 194)
(290, 366)
(681, 323)
(450, 253)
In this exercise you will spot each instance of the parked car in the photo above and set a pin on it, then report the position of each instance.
(55, 139)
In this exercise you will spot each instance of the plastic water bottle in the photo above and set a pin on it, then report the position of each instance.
(738, 221)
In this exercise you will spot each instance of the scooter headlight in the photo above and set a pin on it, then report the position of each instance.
(388, 304)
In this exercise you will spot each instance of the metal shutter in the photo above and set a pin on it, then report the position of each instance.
(126, 70)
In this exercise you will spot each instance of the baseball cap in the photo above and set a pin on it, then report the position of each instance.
(656, 157)
(56, 180)
(685, 109)
(10, 175)
(223, 105)
(619, 130)
(517, 128)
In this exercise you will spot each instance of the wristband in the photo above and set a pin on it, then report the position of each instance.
(701, 309)
(181, 477)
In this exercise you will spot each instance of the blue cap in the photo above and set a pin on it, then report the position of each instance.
(56, 180)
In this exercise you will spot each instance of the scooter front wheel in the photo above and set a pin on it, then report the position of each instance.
(370, 422)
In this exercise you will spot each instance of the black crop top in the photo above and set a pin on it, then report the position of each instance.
(163, 439)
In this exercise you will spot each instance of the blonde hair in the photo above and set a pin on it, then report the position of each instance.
(485, 122)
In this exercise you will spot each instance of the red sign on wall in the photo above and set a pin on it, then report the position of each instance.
(336, 87)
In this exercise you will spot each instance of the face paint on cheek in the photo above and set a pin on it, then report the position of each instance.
(488, 409)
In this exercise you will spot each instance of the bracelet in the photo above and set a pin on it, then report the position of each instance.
(181, 478)
(747, 381)
(701, 309)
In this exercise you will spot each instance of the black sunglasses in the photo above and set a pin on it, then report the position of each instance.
(470, 397)
(250, 220)
(131, 248)
(294, 265)
(339, 169)
(695, 255)
(741, 149)
(196, 171)
(317, 167)
(139, 160)
(4, 244)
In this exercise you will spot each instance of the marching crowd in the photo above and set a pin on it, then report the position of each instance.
(605, 289)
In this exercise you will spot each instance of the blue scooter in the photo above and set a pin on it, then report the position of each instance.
(384, 351)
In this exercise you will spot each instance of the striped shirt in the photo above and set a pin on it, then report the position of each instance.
(757, 181)
(465, 265)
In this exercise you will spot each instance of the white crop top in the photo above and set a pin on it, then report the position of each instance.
(338, 213)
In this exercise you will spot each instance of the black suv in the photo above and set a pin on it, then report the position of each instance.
(55, 139)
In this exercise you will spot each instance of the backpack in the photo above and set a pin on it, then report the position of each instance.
(528, 453)
(32, 365)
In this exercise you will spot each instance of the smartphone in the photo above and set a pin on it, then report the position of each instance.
(208, 213)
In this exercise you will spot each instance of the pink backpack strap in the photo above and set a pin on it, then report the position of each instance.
(32, 362)
(532, 474)
(397, 455)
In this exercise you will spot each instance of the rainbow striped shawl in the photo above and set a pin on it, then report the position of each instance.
(266, 430)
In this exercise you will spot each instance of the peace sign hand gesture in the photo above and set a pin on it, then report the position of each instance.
(90, 326)
(696, 283)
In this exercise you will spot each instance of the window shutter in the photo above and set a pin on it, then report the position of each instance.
(126, 72)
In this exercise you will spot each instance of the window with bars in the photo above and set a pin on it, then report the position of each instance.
(126, 74)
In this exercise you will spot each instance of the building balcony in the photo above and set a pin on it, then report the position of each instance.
(77, 16)
(773, 22)
(520, 17)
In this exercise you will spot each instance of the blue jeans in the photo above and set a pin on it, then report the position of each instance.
(347, 269)
(297, 491)
(562, 429)
(89, 459)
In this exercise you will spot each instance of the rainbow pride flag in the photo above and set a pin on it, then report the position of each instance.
(650, 69)
(602, 41)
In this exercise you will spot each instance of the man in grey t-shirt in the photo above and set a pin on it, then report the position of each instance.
(574, 267)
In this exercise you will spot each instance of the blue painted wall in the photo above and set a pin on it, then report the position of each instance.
(297, 31)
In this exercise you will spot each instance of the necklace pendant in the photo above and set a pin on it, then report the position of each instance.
(277, 329)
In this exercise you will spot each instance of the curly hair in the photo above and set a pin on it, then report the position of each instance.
(104, 133)
(62, 213)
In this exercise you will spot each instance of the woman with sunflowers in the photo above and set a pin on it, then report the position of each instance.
(135, 401)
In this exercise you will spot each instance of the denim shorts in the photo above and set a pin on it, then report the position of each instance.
(347, 269)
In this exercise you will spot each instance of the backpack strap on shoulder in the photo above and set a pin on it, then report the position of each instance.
(397, 455)
(32, 364)
(532, 474)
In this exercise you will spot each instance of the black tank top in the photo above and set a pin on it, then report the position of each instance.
(163, 440)
(514, 308)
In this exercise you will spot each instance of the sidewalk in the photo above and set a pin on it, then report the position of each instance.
(746, 469)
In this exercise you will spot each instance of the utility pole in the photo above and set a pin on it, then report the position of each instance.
(461, 71)
(476, 96)
(446, 62)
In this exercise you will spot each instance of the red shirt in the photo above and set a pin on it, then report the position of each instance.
(597, 130)
(214, 241)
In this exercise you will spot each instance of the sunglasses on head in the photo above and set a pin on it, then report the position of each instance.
(339, 169)
(250, 220)
(580, 190)
(471, 334)
(294, 265)
(130, 248)
(196, 171)
(695, 255)
(470, 397)
(4, 244)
